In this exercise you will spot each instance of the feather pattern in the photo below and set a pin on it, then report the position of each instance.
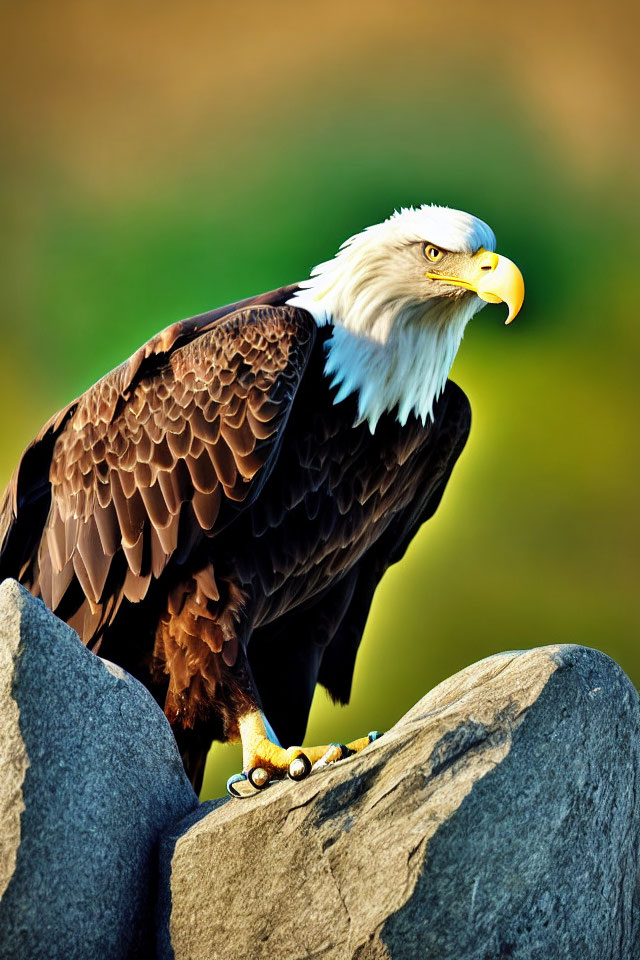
(127, 461)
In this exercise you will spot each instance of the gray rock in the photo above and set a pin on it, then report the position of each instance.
(90, 777)
(498, 819)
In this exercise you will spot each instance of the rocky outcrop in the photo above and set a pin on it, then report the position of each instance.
(90, 778)
(498, 819)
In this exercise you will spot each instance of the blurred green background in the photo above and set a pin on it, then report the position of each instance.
(161, 159)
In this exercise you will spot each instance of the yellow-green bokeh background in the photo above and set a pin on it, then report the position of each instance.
(161, 159)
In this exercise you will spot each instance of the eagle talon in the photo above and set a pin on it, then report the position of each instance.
(374, 735)
(240, 787)
(258, 777)
(300, 767)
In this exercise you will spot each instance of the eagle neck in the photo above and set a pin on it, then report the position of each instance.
(407, 373)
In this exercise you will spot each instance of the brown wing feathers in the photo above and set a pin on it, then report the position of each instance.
(146, 463)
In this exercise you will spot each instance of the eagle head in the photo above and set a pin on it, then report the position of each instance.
(399, 295)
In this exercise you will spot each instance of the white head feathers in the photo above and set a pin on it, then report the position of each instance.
(393, 343)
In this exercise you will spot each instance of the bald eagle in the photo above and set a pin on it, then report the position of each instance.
(215, 514)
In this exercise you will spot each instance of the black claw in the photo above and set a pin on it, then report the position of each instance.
(258, 778)
(374, 735)
(305, 769)
(236, 786)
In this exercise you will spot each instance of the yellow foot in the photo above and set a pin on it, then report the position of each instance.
(265, 761)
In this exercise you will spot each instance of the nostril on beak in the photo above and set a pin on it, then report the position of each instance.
(487, 261)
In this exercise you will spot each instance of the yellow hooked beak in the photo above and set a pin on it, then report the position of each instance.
(494, 278)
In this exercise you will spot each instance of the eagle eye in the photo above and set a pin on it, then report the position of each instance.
(432, 253)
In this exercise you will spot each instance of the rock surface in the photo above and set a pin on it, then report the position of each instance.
(498, 819)
(90, 777)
